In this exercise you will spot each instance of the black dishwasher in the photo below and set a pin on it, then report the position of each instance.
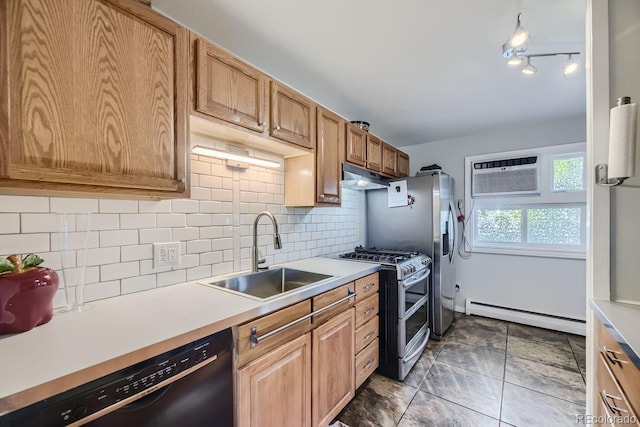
(187, 387)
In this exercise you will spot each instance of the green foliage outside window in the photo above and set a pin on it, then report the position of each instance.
(568, 174)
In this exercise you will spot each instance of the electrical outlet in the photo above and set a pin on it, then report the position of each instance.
(166, 254)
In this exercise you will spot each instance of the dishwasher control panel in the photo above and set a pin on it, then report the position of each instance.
(129, 386)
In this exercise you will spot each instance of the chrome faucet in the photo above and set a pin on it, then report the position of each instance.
(277, 244)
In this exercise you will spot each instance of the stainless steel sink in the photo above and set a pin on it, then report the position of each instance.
(269, 283)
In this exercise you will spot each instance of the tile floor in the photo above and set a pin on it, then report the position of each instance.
(485, 372)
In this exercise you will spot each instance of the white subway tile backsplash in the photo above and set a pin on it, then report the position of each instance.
(101, 290)
(39, 223)
(184, 206)
(119, 270)
(198, 246)
(215, 232)
(185, 234)
(24, 204)
(10, 223)
(210, 206)
(172, 277)
(68, 204)
(137, 252)
(118, 206)
(155, 235)
(199, 272)
(105, 221)
(137, 221)
(23, 243)
(137, 284)
(100, 256)
(198, 220)
(155, 206)
(171, 220)
(146, 267)
(118, 238)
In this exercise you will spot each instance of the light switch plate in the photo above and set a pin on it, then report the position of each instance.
(166, 254)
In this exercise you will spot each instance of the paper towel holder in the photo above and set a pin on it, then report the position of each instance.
(602, 169)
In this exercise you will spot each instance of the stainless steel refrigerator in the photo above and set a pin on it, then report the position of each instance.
(428, 225)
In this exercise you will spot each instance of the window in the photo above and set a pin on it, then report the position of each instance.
(551, 222)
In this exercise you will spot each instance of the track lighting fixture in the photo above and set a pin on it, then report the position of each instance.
(514, 51)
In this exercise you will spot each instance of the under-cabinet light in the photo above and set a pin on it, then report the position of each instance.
(243, 158)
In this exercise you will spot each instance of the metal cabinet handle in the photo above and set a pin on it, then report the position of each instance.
(369, 286)
(369, 362)
(255, 339)
(369, 311)
(615, 409)
(610, 355)
(369, 335)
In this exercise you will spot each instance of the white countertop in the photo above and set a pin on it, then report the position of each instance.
(622, 321)
(76, 348)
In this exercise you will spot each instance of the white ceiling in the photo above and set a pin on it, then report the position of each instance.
(417, 70)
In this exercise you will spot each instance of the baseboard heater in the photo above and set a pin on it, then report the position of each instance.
(541, 320)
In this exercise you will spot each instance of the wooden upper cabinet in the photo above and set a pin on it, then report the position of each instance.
(403, 164)
(374, 153)
(292, 116)
(356, 145)
(389, 159)
(93, 99)
(229, 89)
(329, 148)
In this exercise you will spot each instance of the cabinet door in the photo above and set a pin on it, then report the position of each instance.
(403, 164)
(333, 367)
(328, 157)
(389, 159)
(229, 89)
(292, 116)
(275, 390)
(356, 145)
(95, 98)
(374, 153)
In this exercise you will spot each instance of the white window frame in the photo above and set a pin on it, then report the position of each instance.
(546, 198)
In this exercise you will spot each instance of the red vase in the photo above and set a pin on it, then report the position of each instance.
(26, 299)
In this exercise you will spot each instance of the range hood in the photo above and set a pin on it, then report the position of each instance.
(355, 178)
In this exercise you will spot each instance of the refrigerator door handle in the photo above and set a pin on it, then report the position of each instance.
(453, 218)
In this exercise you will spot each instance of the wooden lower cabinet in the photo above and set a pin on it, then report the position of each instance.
(333, 367)
(275, 389)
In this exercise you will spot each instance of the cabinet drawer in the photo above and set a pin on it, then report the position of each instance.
(366, 310)
(366, 333)
(366, 286)
(330, 297)
(268, 323)
(615, 402)
(366, 362)
(620, 365)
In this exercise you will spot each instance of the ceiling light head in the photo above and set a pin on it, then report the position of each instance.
(520, 36)
(529, 70)
(515, 60)
(570, 67)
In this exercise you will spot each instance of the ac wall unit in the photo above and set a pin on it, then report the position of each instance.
(502, 177)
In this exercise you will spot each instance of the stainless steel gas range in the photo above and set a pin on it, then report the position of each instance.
(404, 306)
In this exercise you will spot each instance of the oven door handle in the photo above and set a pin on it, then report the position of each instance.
(415, 307)
(413, 281)
(419, 349)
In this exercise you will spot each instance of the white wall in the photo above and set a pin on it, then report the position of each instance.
(624, 63)
(214, 229)
(546, 285)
